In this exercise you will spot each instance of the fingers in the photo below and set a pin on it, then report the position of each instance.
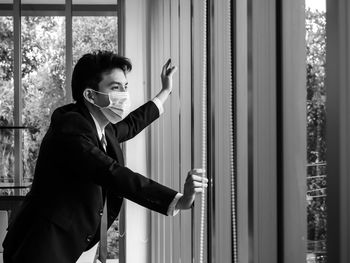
(168, 68)
(165, 67)
(197, 175)
(171, 71)
(199, 184)
(194, 187)
(195, 181)
(196, 178)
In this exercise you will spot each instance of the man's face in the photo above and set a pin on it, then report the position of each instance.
(115, 80)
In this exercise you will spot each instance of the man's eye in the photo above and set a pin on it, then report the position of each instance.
(120, 88)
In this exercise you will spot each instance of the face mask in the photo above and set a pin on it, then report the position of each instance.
(119, 105)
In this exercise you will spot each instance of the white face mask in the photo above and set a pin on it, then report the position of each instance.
(119, 105)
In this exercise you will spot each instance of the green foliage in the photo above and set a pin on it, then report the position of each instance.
(112, 240)
(6, 46)
(316, 128)
(90, 34)
(316, 94)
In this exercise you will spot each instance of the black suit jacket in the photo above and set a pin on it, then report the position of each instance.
(61, 215)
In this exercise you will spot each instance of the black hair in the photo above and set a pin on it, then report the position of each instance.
(90, 67)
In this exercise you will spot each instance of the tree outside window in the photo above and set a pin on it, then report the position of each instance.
(316, 137)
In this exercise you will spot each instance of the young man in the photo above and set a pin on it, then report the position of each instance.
(80, 166)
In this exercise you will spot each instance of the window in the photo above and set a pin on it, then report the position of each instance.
(35, 76)
(94, 32)
(316, 132)
(43, 82)
(6, 103)
(43, 74)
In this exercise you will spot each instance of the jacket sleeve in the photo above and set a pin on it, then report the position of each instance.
(136, 121)
(78, 144)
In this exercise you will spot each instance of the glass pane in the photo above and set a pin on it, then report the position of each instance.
(6, 103)
(91, 33)
(6, 161)
(43, 81)
(316, 127)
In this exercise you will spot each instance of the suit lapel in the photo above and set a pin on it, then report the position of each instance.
(85, 112)
(113, 147)
(113, 150)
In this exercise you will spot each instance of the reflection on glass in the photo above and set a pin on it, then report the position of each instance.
(6, 104)
(316, 127)
(43, 81)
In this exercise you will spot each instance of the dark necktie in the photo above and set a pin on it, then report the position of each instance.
(104, 142)
(102, 249)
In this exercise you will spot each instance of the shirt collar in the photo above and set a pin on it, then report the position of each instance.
(99, 130)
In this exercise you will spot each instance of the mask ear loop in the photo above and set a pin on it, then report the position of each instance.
(103, 93)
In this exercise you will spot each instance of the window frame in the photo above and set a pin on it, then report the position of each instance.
(16, 10)
(338, 128)
(292, 132)
(60, 9)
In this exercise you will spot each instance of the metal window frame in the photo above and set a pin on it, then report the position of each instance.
(18, 106)
(69, 49)
(338, 128)
(292, 132)
(121, 51)
(60, 10)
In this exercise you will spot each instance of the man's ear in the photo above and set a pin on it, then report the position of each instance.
(89, 95)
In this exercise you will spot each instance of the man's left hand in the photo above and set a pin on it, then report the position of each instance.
(195, 184)
(167, 76)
